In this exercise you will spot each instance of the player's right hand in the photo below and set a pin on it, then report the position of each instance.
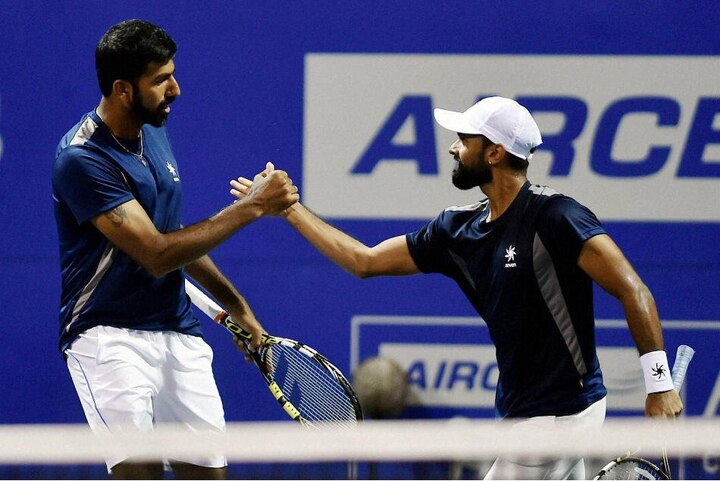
(271, 189)
(666, 404)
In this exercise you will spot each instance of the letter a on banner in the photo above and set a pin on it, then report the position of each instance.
(383, 148)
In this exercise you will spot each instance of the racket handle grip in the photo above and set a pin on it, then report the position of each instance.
(682, 359)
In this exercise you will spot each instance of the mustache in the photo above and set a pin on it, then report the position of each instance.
(166, 102)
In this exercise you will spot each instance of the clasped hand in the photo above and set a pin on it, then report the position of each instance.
(273, 190)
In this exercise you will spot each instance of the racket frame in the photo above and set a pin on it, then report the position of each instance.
(653, 468)
(215, 312)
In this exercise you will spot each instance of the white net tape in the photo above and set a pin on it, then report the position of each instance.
(449, 440)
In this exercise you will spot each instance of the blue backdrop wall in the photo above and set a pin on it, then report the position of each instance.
(312, 86)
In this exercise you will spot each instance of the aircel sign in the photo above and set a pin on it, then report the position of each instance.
(632, 137)
(450, 361)
(465, 375)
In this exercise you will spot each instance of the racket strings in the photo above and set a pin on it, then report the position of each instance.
(317, 401)
(310, 387)
(631, 468)
(320, 397)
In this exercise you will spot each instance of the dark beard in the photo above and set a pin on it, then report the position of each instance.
(464, 179)
(156, 118)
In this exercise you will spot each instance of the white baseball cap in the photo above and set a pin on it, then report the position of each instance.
(503, 121)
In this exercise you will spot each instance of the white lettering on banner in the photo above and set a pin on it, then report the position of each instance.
(628, 136)
(712, 408)
(457, 375)
(465, 375)
(711, 464)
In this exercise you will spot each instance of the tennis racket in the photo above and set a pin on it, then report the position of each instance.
(631, 467)
(308, 387)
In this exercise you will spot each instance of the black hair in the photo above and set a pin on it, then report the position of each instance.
(515, 162)
(126, 50)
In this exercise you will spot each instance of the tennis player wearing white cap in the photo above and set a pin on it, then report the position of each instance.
(526, 257)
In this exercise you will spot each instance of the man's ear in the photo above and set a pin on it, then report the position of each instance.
(497, 153)
(123, 89)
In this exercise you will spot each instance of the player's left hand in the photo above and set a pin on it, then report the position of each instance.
(663, 404)
(245, 317)
(240, 187)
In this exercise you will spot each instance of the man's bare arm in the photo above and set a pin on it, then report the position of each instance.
(603, 261)
(390, 257)
(130, 228)
(206, 273)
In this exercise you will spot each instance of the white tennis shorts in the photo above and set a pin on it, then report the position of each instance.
(129, 379)
(566, 468)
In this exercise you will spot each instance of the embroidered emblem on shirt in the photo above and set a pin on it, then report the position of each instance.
(172, 171)
(510, 256)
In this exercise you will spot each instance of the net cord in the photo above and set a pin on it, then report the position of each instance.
(446, 440)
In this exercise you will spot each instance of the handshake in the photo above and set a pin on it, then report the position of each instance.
(271, 191)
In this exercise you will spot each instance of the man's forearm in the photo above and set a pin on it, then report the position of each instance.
(179, 248)
(342, 249)
(206, 273)
(642, 318)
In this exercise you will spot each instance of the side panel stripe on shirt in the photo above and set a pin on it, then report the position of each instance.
(463, 268)
(86, 130)
(552, 294)
(106, 261)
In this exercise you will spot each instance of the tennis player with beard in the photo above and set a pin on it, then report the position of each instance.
(133, 347)
(526, 258)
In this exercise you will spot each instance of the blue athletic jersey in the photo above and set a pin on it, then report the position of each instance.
(520, 273)
(101, 285)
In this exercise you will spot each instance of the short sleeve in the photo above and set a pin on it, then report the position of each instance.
(567, 224)
(88, 183)
(428, 247)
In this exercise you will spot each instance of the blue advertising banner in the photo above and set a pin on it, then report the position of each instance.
(451, 367)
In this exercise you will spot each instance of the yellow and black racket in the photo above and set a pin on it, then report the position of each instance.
(310, 388)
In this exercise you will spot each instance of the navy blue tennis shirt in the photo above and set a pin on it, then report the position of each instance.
(101, 285)
(521, 274)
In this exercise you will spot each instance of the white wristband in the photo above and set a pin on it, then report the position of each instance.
(656, 372)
